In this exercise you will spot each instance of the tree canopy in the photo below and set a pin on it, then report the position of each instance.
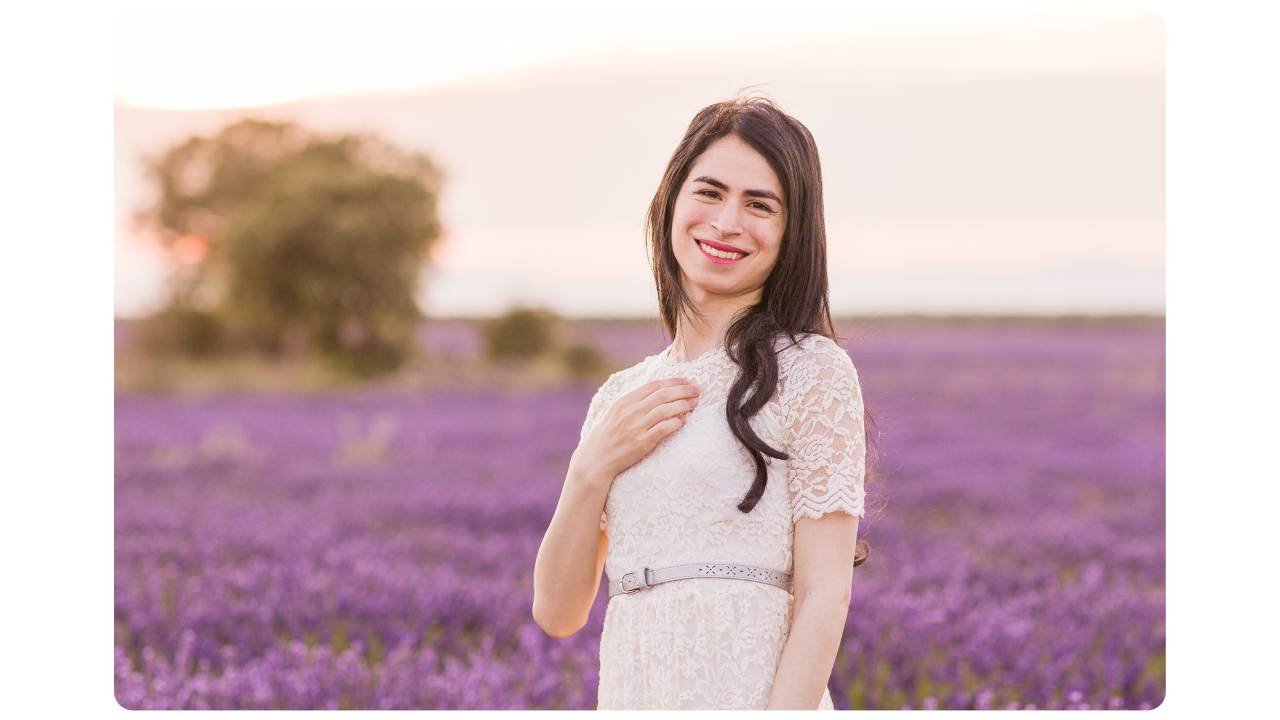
(285, 237)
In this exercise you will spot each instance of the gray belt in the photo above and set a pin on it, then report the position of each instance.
(643, 579)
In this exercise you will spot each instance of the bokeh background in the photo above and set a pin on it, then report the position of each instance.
(370, 269)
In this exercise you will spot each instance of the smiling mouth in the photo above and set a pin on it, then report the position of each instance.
(718, 253)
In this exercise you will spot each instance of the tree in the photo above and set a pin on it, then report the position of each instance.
(286, 236)
(521, 334)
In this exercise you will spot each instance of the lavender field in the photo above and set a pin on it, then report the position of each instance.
(374, 549)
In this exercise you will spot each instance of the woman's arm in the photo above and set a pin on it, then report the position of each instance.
(566, 575)
(823, 567)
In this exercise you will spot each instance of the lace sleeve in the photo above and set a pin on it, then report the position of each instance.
(603, 398)
(822, 406)
(600, 402)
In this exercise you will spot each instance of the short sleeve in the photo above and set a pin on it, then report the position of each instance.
(600, 402)
(823, 410)
(603, 398)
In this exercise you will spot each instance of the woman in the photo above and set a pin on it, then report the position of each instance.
(722, 478)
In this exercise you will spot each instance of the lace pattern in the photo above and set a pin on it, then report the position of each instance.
(715, 643)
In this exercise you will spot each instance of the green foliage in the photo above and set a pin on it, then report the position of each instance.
(183, 331)
(299, 238)
(521, 334)
(584, 361)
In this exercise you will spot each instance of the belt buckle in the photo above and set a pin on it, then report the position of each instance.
(632, 584)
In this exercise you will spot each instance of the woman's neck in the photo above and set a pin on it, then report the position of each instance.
(697, 335)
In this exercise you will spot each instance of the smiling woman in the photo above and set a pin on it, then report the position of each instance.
(729, 573)
(731, 220)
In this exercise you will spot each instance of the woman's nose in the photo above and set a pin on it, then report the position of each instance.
(726, 221)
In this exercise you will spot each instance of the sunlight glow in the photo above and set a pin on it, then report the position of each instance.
(238, 54)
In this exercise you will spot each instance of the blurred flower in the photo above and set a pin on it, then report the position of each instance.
(374, 550)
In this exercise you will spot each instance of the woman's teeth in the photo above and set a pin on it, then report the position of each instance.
(720, 253)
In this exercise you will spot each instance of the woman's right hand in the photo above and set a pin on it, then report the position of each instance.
(566, 574)
(632, 427)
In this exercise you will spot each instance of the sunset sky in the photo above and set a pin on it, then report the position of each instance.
(975, 162)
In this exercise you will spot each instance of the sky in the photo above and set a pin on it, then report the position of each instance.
(973, 162)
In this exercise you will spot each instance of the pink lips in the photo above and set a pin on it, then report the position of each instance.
(722, 247)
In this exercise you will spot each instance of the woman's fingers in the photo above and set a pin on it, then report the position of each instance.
(666, 402)
(647, 414)
(668, 394)
(664, 428)
(674, 408)
(649, 388)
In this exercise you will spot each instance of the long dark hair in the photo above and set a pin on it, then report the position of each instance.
(794, 300)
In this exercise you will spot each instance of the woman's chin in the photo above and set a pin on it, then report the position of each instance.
(716, 287)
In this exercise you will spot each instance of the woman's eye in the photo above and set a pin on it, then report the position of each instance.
(707, 193)
(761, 206)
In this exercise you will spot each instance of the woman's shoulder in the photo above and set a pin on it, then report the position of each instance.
(615, 386)
(811, 350)
(814, 369)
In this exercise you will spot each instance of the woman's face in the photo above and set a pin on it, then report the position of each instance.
(728, 222)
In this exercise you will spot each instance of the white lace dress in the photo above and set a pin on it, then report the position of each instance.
(715, 643)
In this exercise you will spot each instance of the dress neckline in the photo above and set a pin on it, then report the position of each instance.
(669, 355)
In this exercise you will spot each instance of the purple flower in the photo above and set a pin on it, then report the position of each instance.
(267, 557)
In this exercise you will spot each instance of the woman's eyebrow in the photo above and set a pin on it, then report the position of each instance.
(749, 193)
(763, 194)
(712, 182)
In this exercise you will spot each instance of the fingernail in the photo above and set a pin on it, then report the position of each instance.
(684, 381)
